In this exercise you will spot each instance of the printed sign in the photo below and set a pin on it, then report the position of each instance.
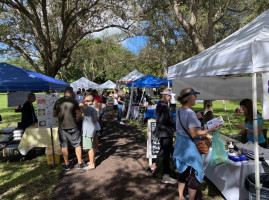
(45, 104)
(153, 144)
(213, 122)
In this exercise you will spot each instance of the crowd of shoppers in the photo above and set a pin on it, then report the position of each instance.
(88, 107)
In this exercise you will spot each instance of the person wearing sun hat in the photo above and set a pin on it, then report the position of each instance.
(165, 132)
(186, 156)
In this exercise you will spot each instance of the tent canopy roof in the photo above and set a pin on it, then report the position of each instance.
(83, 83)
(158, 83)
(13, 78)
(245, 51)
(107, 85)
(144, 81)
(134, 75)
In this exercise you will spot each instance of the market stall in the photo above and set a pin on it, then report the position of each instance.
(107, 85)
(230, 178)
(83, 83)
(244, 52)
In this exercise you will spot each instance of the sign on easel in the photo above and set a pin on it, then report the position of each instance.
(45, 104)
(153, 144)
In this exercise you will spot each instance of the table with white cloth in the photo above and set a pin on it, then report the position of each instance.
(36, 137)
(230, 178)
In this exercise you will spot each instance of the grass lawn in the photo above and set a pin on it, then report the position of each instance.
(30, 179)
(34, 179)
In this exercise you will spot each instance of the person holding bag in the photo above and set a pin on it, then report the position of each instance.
(187, 158)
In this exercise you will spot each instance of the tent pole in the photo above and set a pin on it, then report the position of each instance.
(223, 101)
(130, 101)
(255, 125)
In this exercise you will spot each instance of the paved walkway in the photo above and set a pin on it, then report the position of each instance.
(120, 172)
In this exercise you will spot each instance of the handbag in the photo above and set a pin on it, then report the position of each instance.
(203, 144)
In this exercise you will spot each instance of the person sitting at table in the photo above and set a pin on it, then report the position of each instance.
(28, 116)
(68, 112)
(247, 128)
(186, 156)
(165, 132)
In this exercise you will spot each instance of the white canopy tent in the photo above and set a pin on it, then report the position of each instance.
(244, 52)
(132, 76)
(107, 85)
(83, 83)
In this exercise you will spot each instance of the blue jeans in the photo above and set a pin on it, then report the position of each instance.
(119, 112)
(101, 117)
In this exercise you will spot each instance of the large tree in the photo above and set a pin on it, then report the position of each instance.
(196, 24)
(49, 30)
(100, 60)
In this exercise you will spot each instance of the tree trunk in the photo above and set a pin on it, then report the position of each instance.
(208, 111)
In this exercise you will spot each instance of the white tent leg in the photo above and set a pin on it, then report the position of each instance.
(255, 125)
(130, 102)
(223, 101)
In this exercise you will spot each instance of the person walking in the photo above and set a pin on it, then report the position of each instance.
(68, 112)
(165, 132)
(120, 106)
(115, 100)
(186, 156)
(88, 130)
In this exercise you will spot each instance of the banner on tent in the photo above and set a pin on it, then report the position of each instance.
(265, 82)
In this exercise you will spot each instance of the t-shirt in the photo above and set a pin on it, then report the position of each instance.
(104, 99)
(28, 115)
(116, 99)
(89, 118)
(250, 136)
(121, 98)
(188, 119)
(66, 108)
(98, 99)
(79, 98)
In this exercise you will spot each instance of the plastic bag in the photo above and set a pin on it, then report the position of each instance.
(219, 155)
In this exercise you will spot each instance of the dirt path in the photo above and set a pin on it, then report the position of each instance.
(120, 172)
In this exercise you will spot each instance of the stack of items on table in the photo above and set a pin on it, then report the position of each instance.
(10, 138)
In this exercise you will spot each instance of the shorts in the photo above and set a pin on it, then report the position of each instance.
(115, 107)
(71, 135)
(88, 142)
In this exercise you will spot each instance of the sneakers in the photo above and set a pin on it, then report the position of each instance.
(169, 180)
(121, 123)
(68, 167)
(80, 166)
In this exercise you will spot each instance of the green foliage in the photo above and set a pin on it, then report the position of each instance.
(100, 60)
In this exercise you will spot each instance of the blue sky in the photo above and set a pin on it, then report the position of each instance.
(135, 44)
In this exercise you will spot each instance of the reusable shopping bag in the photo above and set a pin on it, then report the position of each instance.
(219, 155)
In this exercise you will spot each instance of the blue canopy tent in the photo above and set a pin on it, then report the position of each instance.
(13, 78)
(144, 82)
(158, 83)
